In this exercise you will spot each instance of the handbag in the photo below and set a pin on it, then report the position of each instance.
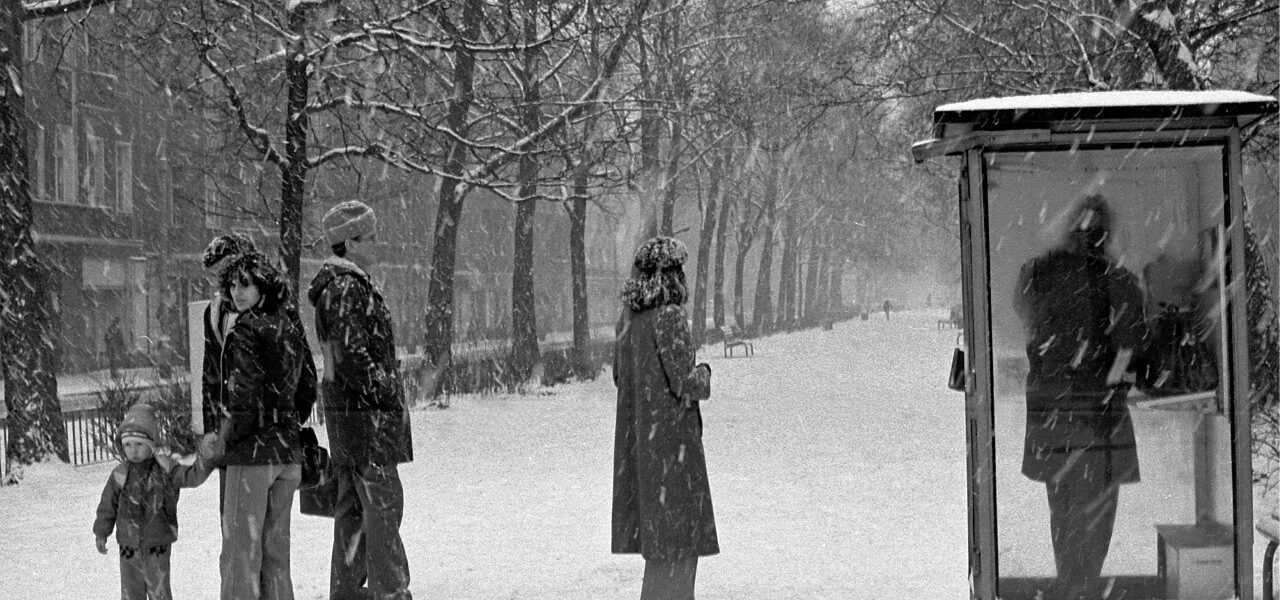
(956, 379)
(315, 459)
(318, 490)
(1178, 358)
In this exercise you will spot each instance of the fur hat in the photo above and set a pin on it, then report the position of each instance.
(231, 244)
(659, 254)
(139, 422)
(348, 220)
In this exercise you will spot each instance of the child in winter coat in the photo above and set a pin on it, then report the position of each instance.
(140, 501)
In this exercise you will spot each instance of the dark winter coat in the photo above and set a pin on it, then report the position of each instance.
(140, 501)
(1079, 310)
(215, 377)
(270, 391)
(364, 402)
(661, 496)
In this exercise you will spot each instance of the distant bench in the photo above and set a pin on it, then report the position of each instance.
(955, 320)
(735, 338)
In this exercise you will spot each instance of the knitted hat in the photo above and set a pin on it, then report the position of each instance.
(139, 422)
(659, 254)
(348, 220)
(232, 244)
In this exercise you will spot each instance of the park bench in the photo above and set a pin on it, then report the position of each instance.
(1269, 527)
(955, 320)
(734, 338)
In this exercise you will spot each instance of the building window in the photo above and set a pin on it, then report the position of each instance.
(212, 210)
(124, 177)
(36, 165)
(65, 187)
(95, 183)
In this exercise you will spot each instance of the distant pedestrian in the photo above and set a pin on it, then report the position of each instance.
(270, 395)
(365, 412)
(661, 495)
(887, 307)
(113, 339)
(140, 502)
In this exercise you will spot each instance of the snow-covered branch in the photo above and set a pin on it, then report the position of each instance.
(375, 150)
(258, 136)
(54, 8)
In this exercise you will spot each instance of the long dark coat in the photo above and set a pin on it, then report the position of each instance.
(364, 403)
(1078, 310)
(661, 497)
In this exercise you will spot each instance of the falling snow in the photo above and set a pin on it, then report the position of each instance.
(836, 461)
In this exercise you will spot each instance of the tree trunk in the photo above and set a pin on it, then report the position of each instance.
(837, 283)
(811, 316)
(438, 317)
(294, 173)
(1170, 53)
(739, 276)
(524, 321)
(28, 361)
(578, 264)
(787, 278)
(674, 87)
(669, 190)
(705, 238)
(762, 313)
(722, 235)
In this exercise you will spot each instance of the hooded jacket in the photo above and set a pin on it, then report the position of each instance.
(216, 374)
(140, 501)
(365, 411)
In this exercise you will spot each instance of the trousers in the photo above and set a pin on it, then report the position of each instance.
(257, 503)
(367, 549)
(1082, 514)
(669, 580)
(144, 573)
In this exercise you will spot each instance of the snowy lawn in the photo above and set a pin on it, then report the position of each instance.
(836, 461)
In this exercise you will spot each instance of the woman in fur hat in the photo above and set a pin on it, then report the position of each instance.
(264, 359)
(661, 497)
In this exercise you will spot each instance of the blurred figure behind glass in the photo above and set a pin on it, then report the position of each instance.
(1083, 317)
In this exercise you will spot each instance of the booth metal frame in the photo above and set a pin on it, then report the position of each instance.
(1089, 121)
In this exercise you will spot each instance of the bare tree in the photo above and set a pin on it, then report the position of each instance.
(28, 363)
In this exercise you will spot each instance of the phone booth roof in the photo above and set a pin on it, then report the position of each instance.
(1029, 119)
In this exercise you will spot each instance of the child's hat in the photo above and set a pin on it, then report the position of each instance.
(139, 422)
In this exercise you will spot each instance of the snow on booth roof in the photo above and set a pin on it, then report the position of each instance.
(1133, 104)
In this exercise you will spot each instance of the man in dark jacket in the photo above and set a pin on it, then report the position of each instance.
(218, 319)
(1083, 315)
(365, 412)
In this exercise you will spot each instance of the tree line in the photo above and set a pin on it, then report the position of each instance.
(770, 131)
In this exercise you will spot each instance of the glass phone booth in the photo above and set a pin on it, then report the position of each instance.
(1106, 369)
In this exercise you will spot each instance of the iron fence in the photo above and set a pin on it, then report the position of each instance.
(88, 437)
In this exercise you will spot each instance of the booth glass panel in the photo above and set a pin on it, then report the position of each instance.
(1103, 486)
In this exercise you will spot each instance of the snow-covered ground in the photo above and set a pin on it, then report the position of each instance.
(836, 460)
